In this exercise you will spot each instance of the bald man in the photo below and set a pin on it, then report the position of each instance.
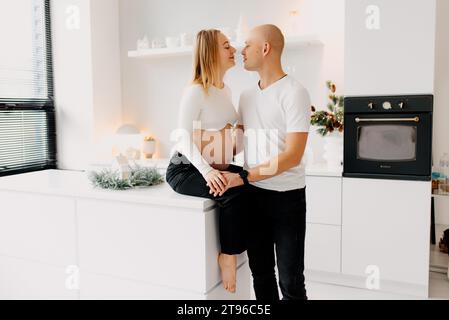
(275, 113)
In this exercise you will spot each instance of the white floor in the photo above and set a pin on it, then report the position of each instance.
(438, 282)
(439, 289)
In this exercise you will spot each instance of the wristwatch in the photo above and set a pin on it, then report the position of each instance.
(244, 175)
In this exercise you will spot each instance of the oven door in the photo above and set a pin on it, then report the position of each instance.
(391, 146)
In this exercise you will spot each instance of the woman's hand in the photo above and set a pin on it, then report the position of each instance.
(233, 179)
(216, 182)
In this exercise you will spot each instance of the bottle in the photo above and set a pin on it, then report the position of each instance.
(444, 174)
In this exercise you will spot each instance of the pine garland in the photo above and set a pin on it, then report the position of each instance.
(139, 177)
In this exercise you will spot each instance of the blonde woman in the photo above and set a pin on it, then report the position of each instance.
(207, 117)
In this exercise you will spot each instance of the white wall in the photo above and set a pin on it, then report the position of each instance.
(87, 79)
(106, 72)
(73, 84)
(441, 111)
(151, 90)
(397, 58)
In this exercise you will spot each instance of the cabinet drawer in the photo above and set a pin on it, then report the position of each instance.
(323, 248)
(159, 245)
(24, 280)
(165, 246)
(324, 200)
(38, 227)
(100, 287)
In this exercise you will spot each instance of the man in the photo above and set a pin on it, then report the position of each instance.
(276, 116)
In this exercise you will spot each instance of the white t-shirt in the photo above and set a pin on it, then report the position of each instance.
(198, 110)
(268, 115)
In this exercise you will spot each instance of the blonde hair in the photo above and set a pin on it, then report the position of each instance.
(206, 59)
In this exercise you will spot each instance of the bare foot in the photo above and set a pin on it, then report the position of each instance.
(228, 266)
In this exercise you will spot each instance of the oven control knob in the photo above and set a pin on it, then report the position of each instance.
(386, 105)
(401, 105)
(371, 105)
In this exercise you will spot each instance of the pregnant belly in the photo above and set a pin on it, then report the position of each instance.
(217, 147)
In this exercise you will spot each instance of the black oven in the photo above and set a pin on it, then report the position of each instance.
(388, 137)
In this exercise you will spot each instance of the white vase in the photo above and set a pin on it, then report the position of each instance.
(333, 150)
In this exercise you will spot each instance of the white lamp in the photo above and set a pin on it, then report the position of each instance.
(128, 141)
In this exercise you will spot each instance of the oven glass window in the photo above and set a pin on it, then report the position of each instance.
(387, 143)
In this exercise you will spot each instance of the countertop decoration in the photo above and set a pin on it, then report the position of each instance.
(138, 177)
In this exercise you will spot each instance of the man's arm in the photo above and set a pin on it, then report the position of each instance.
(291, 157)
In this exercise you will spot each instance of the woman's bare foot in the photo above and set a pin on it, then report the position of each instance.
(228, 266)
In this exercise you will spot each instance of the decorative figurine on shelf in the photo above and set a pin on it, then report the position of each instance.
(143, 44)
(186, 39)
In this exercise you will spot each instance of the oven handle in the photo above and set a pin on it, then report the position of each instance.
(415, 119)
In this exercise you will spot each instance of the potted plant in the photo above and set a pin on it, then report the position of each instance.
(330, 124)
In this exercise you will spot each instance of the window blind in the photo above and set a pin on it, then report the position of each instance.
(27, 115)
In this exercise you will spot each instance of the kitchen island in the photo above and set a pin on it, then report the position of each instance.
(61, 238)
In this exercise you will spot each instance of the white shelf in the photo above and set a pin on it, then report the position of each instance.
(290, 43)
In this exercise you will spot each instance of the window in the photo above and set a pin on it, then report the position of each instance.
(27, 115)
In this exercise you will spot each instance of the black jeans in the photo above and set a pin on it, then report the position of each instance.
(278, 223)
(184, 178)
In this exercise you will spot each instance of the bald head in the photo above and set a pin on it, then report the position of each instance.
(263, 49)
(271, 34)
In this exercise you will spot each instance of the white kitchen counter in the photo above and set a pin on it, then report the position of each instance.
(76, 184)
(149, 243)
(321, 170)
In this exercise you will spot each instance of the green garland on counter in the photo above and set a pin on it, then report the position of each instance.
(139, 177)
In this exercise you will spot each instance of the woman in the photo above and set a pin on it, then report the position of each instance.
(207, 118)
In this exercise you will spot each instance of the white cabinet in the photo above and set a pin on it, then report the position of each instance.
(142, 243)
(323, 200)
(386, 225)
(38, 227)
(23, 279)
(389, 47)
(160, 245)
(154, 244)
(96, 286)
(323, 231)
(323, 248)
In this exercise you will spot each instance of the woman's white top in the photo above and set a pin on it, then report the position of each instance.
(198, 110)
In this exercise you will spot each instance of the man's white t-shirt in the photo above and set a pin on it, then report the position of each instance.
(268, 115)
